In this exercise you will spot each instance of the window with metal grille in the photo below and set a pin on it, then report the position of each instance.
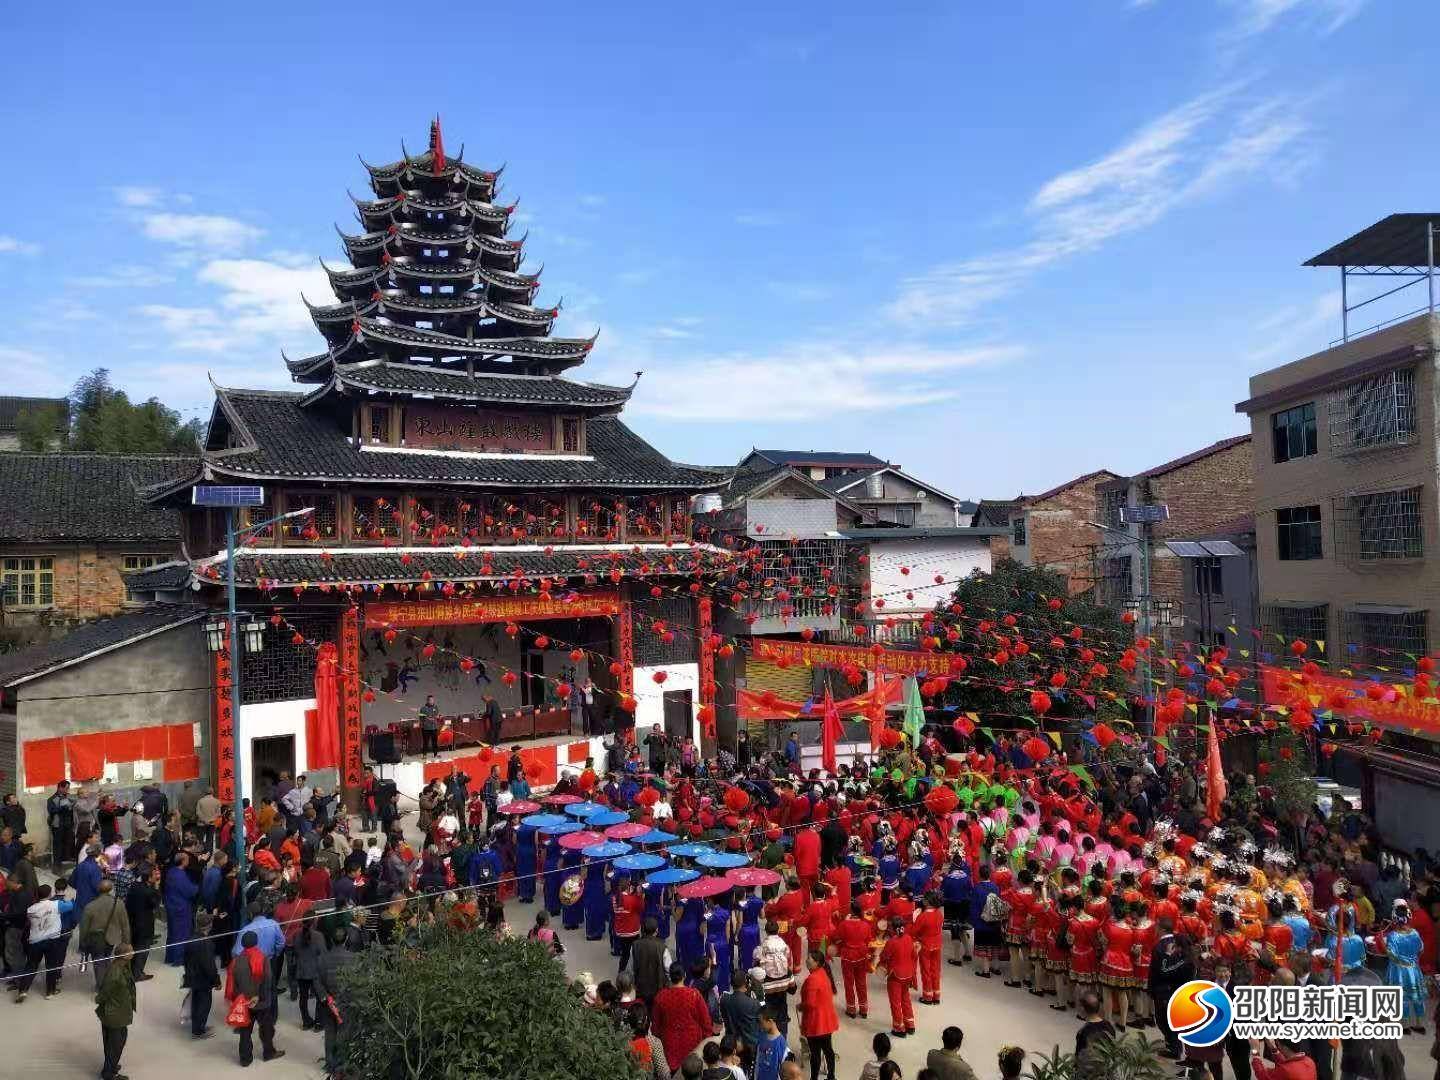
(1294, 432)
(1017, 532)
(246, 517)
(434, 519)
(29, 581)
(598, 517)
(1112, 501)
(1374, 412)
(644, 517)
(375, 519)
(677, 613)
(679, 520)
(796, 579)
(475, 516)
(321, 527)
(1209, 575)
(379, 424)
(570, 436)
(1288, 622)
(284, 670)
(144, 562)
(1375, 633)
(1379, 526)
(1297, 533)
(1114, 586)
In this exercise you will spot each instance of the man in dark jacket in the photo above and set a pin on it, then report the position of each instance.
(60, 816)
(649, 960)
(264, 1004)
(1171, 967)
(142, 900)
(115, 1006)
(332, 961)
(201, 976)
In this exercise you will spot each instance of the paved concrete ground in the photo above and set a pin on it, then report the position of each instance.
(61, 1037)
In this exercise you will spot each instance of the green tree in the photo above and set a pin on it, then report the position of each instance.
(106, 421)
(464, 1004)
(1025, 592)
(42, 429)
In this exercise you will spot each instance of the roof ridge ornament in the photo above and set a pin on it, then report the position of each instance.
(437, 147)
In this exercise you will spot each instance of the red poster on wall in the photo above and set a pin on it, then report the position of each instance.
(44, 764)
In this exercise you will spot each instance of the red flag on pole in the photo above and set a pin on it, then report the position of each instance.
(1215, 791)
(830, 731)
(437, 147)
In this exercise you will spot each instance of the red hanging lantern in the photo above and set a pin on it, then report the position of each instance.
(1298, 647)
(1055, 603)
(964, 726)
(428, 651)
(941, 800)
(542, 642)
(1104, 734)
(1040, 702)
(660, 677)
(1057, 680)
(1036, 748)
(509, 678)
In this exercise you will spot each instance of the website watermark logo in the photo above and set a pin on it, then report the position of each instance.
(1200, 1013)
(1203, 1013)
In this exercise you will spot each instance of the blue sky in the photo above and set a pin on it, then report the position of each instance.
(999, 244)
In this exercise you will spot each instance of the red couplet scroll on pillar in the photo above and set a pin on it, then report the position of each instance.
(704, 623)
(224, 725)
(351, 766)
(625, 622)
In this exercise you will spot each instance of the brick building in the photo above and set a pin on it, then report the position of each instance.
(1053, 529)
(71, 527)
(1201, 489)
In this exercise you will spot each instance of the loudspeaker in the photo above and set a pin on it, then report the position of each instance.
(383, 750)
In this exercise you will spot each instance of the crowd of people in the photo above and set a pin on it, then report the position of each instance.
(1098, 895)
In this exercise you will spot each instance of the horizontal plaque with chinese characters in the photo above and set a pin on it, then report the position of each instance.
(450, 427)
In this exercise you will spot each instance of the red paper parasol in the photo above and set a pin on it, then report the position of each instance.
(627, 830)
(584, 838)
(750, 877)
(561, 800)
(519, 807)
(705, 886)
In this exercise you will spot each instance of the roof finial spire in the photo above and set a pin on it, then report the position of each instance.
(437, 147)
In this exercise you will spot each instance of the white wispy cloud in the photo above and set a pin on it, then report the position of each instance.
(1295, 330)
(212, 232)
(800, 292)
(807, 382)
(13, 245)
(257, 306)
(1191, 151)
(591, 201)
(757, 219)
(1255, 17)
(137, 195)
(30, 372)
(123, 276)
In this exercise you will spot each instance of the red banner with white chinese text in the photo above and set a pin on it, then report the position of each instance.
(1394, 704)
(400, 615)
(890, 661)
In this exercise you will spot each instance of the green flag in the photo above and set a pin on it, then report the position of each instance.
(914, 712)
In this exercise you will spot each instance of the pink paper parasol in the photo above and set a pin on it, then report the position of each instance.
(705, 886)
(519, 807)
(561, 800)
(749, 877)
(584, 838)
(627, 830)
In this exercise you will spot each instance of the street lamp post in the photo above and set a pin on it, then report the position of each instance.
(228, 498)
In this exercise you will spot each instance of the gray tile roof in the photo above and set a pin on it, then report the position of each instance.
(821, 457)
(86, 497)
(389, 566)
(93, 638)
(284, 440)
(167, 577)
(12, 407)
(531, 389)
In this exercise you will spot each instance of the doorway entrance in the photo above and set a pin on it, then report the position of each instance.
(268, 759)
(678, 713)
(532, 678)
